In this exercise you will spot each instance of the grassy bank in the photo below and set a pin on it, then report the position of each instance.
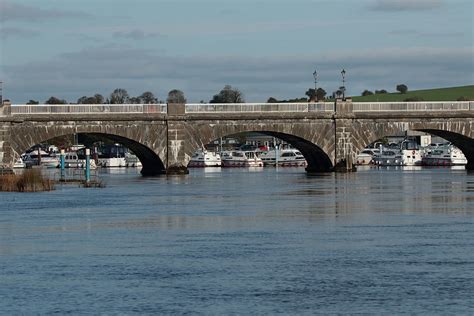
(442, 94)
(31, 180)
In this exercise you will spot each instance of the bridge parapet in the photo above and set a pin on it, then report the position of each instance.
(259, 107)
(33, 109)
(413, 106)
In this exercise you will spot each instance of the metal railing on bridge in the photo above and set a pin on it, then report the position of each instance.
(87, 108)
(258, 107)
(412, 106)
(196, 108)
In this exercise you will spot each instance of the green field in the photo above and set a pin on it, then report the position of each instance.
(442, 94)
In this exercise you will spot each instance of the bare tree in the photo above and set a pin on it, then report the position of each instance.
(228, 95)
(119, 96)
(99, 98)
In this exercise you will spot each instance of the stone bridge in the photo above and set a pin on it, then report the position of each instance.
(164, 137)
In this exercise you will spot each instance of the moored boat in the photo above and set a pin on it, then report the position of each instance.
(39, 157)
(204, 158)
(132, 161)
(365, 157)
(407, 153)
(239, 158)
(388, 157)
(19, 163)
(444, 155)
(411, 153)
(112, 156)
(286, 158)
(75, 160)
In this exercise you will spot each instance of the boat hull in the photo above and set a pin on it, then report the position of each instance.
(241, 163)
(203, 164)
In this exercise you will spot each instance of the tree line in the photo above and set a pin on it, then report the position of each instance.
(118, 96)
(227, 95)
(402, 88)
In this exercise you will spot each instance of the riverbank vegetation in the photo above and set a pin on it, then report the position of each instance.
(31, 180)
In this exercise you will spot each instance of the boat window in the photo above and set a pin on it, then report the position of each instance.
(250, 154)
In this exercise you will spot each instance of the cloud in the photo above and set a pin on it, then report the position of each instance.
(136, 35)
(102, 69)
(15, 32)
(405, 5)
(17, 12)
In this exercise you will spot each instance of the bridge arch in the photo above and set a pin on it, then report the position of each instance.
(150, 155)
(316, 143)
(460, 134)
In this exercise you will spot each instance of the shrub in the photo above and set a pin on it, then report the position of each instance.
(30, 180)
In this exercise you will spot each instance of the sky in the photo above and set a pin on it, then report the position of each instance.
(264, 48)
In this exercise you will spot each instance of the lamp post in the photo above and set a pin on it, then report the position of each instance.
(315, 75)
(343, 73)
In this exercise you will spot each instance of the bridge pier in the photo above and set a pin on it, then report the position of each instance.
(344, 155)
(6, 158)
(176, 156)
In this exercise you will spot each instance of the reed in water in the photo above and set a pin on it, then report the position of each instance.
(31, 180)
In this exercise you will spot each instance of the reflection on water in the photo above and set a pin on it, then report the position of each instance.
(223, 241)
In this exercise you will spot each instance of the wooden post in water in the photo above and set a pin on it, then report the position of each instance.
(61, 163)
(88, 165)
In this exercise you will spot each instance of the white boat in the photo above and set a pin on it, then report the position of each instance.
(286, 158)
(19, 163)
(411, 153)
(407, 153)
(444, 155)
(239, 158)
(40, 157)
(112, 156)
(132, 161)
(112, 162)
(365, 157)
(204, 158)
(73, 160)
(388, 157)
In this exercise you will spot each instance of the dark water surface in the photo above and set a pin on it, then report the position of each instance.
(243, 242)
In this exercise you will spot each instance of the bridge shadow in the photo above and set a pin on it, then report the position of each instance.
(317, 159)
(151, 162)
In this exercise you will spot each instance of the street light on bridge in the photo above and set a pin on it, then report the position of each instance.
(343, 73)
(315, 75)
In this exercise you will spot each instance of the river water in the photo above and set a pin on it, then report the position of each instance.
(243, 241)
